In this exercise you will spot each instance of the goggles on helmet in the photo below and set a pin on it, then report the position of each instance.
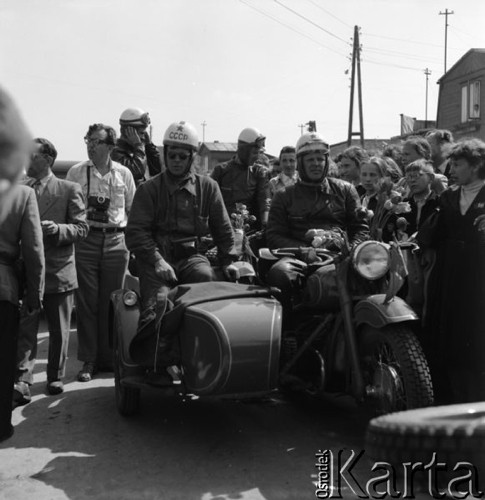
(143, 120)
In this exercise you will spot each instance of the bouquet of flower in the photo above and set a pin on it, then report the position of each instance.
(241, 219)
(389, 203)
(333, 239)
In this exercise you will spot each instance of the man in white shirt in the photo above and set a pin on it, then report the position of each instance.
(102, 258)
(288, 175)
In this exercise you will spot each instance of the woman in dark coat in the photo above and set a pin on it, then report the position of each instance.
(455, 321)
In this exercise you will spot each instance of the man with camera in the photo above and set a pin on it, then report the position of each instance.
(102, 258)
(63, 221)
(134, 149)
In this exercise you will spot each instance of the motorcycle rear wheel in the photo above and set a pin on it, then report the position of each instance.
(395, 370)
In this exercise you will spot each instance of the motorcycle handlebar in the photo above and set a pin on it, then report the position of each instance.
(302, 251)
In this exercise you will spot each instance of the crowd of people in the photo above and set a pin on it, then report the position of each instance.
(70, 241)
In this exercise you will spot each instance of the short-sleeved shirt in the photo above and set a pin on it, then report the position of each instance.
(117, 185)
(280, 182)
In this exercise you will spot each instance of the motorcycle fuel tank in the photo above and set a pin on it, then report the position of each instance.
(231, 346)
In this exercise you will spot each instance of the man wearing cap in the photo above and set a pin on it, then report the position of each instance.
(243, 179)
(315, 202)
(134, 148)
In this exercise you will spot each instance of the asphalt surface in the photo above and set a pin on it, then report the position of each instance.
(77, 446)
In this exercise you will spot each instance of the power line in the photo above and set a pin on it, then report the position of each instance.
(375, 49)
(324, 46)
(291, 28)
(401, 40)
(311, 22)
(404, 55)
(330, 14)
(391, 65)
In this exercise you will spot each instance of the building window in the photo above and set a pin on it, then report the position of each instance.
(475, 99)
(470, 101)
(464, 103)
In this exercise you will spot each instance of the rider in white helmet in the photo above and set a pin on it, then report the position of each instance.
(134, 149)
(314, 202)
(170, 214)
(244, 179)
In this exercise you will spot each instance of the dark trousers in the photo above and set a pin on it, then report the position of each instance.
(8, 344)
(194, 269)
(101, 263)
(287, 275)
(58, 310)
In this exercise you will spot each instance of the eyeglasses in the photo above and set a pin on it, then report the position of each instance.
(94, 141)
(180, 156)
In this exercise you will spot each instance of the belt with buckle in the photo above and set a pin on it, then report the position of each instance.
(111, 229)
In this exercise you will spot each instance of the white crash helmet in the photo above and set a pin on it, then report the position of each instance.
(309, 142)
(251, 136)
(133, 117)
(183, 135)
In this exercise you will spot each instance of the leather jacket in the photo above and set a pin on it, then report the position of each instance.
(332, 204)
(164, 212)
(138, 158)
(247, 185)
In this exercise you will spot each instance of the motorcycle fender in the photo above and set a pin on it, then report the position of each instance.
(375, 312)
(124, 323)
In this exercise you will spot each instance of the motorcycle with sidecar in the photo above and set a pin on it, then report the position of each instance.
(349, 334)
(347, 330)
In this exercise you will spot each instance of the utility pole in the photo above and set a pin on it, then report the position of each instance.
(204, 123)
(356, 62)
(302, 126)
(446, 13)
(427, 72)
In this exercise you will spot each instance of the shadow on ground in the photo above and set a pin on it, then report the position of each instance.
(77, 446)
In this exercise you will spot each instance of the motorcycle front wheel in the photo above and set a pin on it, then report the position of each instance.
(395, 370)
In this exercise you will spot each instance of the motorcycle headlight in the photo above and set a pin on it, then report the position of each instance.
(130, 298)
(371, 259)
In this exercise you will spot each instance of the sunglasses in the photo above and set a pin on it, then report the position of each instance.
(180, 156)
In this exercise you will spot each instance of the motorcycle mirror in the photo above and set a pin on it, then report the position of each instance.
(265, 253)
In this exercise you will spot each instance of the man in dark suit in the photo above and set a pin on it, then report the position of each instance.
(19, 226)
(63, 220)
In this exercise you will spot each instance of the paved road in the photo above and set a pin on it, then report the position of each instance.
(76, 445)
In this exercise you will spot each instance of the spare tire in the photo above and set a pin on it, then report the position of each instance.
(454, 433)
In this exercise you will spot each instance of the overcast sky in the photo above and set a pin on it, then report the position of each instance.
(270, 64)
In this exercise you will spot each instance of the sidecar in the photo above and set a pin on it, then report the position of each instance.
(229, 338)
